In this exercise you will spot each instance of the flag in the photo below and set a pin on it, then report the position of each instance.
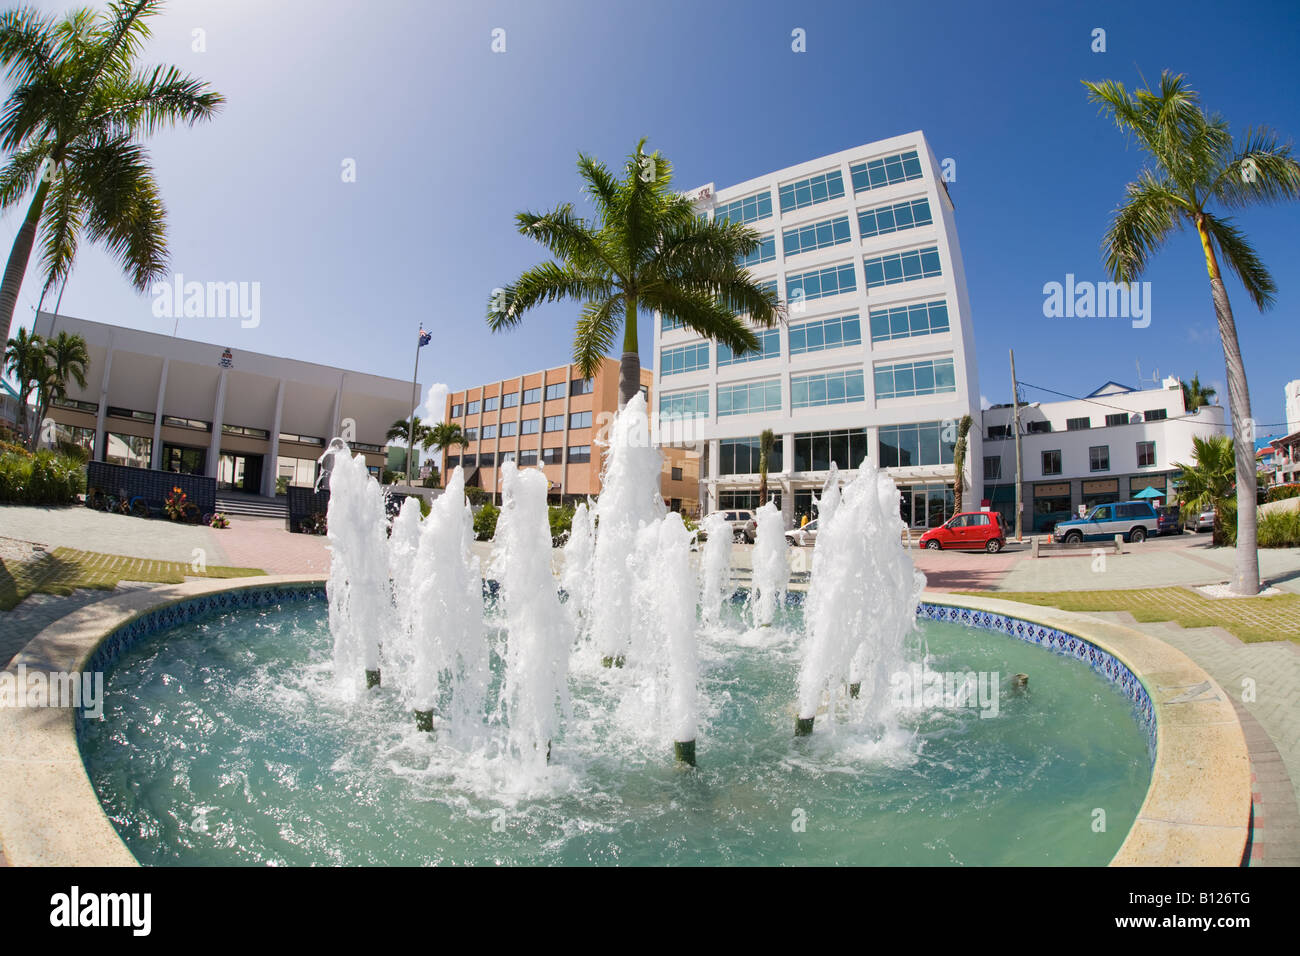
(425, 337)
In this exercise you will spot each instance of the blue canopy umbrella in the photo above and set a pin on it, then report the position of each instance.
(1149, 492)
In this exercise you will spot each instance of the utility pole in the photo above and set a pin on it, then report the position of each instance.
(1015, 420)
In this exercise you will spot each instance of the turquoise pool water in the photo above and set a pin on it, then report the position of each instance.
(224, 742)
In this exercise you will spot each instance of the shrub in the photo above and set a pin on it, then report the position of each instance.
(282, 485)
(42, 478)
(217, 520)
(1282, 492)
(485, 522)
(1279, 529)
(476, 496)
(561, 519)
(425, 506)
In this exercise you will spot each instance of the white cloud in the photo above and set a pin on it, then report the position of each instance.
(985, 403)
(435, 404)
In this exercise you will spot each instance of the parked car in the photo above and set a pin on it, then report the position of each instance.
(802, 537)
(1135, 520)
(1169, 521)
(743, 524)
(968, 530)
(1204, 521)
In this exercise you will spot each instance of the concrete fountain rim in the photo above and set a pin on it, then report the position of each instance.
(1197, 810)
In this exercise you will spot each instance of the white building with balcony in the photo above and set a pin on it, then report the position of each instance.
(875, 358)
(1109, 446)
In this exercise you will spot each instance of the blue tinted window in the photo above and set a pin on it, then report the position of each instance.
(748, 209)
(902, 267)
(692, 404)
(684, 358)
(820, 282)
(905, 321)
(886, 219)
(749, 397)
(906, 379)
(886, 171)
(821, 334)
(769, 341)
(815, 189)
(828, 388)
(816, 235)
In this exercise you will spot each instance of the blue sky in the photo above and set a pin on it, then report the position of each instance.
(450, 140)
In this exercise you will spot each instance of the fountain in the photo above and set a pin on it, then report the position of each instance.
(525, 749)
(771, 558)
(862, 598)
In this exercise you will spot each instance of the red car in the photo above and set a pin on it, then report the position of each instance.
(968, 530)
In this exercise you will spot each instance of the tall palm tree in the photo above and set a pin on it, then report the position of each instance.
(65, 358)
(24, 360)
(1195, 394)
(1194, 164)
(442, 436)
(959, 461)
(71, 127)
(766, 442)
(647, 248)
(1208, 481)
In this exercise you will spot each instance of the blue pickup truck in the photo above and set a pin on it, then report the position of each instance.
(1135, 520)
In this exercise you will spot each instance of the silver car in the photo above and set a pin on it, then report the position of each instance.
(1203, 521)
(803, 537)
(743, 525)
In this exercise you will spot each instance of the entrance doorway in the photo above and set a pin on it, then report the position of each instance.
(926, 506)
(240, 473)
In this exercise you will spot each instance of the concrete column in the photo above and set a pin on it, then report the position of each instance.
(564, 450)
(101, 439)
(272, 467)
(156, 458)
(218, 416)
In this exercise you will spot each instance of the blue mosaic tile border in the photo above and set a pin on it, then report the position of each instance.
(112, 647)
(1107, 665)
(1060, 642)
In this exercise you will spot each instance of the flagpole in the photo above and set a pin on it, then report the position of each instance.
(415, 396)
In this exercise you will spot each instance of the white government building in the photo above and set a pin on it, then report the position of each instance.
(876, 357)
(1108, 446)
(244, 418)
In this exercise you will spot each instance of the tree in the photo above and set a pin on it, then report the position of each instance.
(1195, 394)
(72, 125)
(1195, 163)
(25, 360)
(647, 248)
(766, 442)
(65, 357)
(1208, 482)
(959, 461)
(400, 430)
(443, 436)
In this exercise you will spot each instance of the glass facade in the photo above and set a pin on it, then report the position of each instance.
(907, 321)
(814, 451)
(509, 399)
(580, 420)
(532, 395)
(816, 235)
(826, 388)
(530, 426)
(684, 358)
(579, 454)
(692, 404)
(886, 171)
(821, 334)
(907, 379)
(820, 283)
(581, 386)
(883, 220)
(921, 443)
(490, 404)
(902, 267)
(555, 391)
(750, 397)
(764, 252)
(769, 341)
(749, 209)
(130, 450)
(809, 192)
(553, 423)
(509, 428)
(739, 456)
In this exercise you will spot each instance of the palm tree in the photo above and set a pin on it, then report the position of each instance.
(766, 442)
(71, 126)
(959, 461)
(65, 357)
(24, 360)
(402, 431)
(1195, 394)
(1208, 482)
(646, 248)
(1195, 163)
(442, 436)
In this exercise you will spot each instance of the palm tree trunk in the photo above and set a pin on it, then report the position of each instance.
(1246, 575)
(19, 256)
(629, 366)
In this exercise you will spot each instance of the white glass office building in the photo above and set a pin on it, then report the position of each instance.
(875, 357)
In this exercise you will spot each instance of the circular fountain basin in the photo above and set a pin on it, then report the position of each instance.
(223, 742)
